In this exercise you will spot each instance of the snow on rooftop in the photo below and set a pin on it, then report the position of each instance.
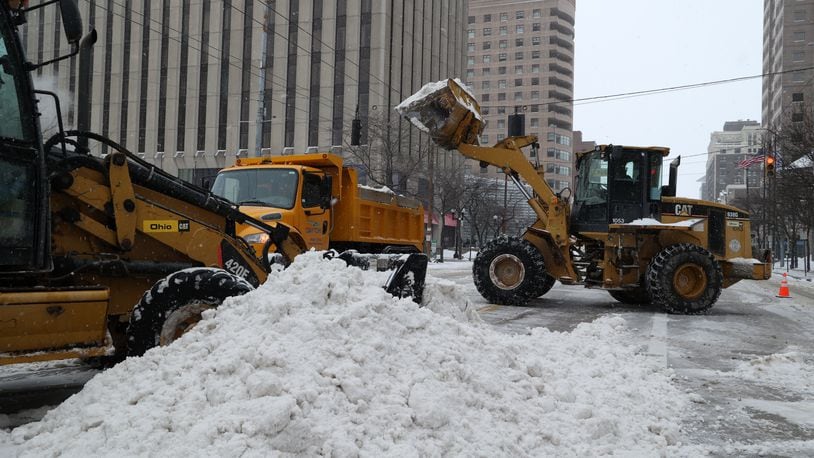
(321, 361)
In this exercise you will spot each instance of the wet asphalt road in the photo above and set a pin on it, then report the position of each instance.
(731, 416)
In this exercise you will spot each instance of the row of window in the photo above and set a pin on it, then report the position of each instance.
(552, 152)
(502, 84)
(518, 70)
(504, 44)
(504, 30)
(519, 14)
(503, 57)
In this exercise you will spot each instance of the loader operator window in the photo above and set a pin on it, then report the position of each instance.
(260, 187)
(11, 125)
(626, 177)
(593, 181)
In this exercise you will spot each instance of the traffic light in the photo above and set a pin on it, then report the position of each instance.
(769, 166)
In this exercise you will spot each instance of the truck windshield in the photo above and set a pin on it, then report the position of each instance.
(264, 187)
(10, 72)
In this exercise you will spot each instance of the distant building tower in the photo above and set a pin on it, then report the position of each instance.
(739, 140)
(521, 60)
(788, 44)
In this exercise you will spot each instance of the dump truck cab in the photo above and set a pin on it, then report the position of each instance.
(274, 192)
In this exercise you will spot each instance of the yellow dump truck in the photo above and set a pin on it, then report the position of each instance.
(321, 202)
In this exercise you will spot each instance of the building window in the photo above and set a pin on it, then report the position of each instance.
(504, 30)
(799, 15)
(535, 41)
(536, 13)
(798, 77)
(503, 44)
(470, 33)
(797, 97)
(501, 137)
(518, 82)
(501, 123)
(501, 70)
(487, 18)
(487, 59)
(535, 108)
(535, 68)
(799, 36)
(487, 71)
(518, 42)
(502, 57)
(535, 81)
(501, 96)
(485, 98)
(518, 96)
(535, 54)
(470, 60)
(796, 117)
(504, 17)
(518, 69)
(798, 56)
(471, 20)
(535, 95)
(470, 47)
(501, 84)
(487, 32)
(470, 73)
(519, 28)
(535, 122)
(519, 14)
(501, 110)
(484, 85)
(536, 27)
(518, 55)
(484, 138)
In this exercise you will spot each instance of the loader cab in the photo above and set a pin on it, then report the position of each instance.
(616, 185)
(24, 238)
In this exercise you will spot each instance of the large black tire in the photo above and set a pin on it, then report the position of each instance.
(509, 271)
(544, 286)
(685, 279)
(177, 302)
(636, 296)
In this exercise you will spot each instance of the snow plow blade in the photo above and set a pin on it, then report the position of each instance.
(409, 271)
(446, 111)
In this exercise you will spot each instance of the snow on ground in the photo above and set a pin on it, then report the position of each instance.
(320, 360)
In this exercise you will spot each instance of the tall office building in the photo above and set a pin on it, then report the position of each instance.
(521, 60)
(788, 44)
(724, 180)
(191, 84)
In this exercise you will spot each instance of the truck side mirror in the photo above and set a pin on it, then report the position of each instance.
(325, 192)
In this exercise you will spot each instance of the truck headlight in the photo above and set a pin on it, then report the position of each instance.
(259, 238)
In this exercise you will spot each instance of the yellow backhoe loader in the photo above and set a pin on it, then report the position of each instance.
(623, 231)
(111, 256)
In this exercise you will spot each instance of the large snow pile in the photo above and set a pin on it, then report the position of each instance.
(321, 361)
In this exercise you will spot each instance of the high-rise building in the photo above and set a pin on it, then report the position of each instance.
(788, 44)
(738, 141)
(520, 59)
(191, 84)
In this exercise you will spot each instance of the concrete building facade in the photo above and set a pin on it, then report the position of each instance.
(520, 59)
(737, 141)
(192, 84)
(788, 45)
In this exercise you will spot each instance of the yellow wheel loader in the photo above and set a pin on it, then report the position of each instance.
(112, 256)
(621, 230)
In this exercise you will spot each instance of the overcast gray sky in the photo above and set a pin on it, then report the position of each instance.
(633, 45)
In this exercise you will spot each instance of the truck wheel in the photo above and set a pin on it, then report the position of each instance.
(636, 296)
(684, 278)
(544, 286)
(174, 305)
(508, 271)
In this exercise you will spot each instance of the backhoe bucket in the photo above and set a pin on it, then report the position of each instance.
(409, 271)
(446, 111)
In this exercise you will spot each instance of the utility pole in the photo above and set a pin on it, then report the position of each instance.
(261, 102)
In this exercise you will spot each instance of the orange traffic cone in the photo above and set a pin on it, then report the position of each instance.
(784, 288)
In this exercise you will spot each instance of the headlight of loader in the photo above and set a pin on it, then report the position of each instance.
(259, 238)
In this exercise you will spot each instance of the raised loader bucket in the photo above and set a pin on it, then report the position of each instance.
(446, 111)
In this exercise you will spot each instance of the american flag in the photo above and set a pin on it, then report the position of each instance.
(752, 160)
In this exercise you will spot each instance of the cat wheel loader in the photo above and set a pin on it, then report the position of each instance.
(112, 256)
(621, 230)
